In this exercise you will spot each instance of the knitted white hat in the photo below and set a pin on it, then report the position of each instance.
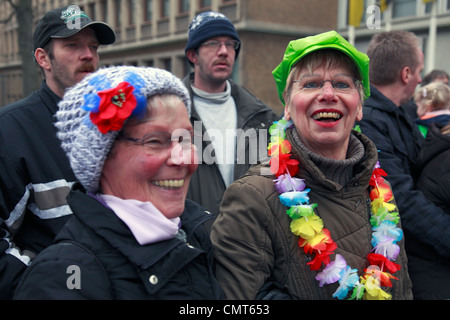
(85, 126)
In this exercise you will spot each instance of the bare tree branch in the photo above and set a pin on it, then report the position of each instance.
(11, 14)
(22, 10)
(11, 3)
(8, 19)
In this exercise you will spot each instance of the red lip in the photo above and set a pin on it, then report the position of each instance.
(327, 110)
(326, 124)
(327, 118)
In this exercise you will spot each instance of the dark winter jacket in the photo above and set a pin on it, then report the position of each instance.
(35, 178)
(254, 246)
(434, 161)
(424, 124)
(430, 271)
(97, 257)
(398, 140)
(207, 186)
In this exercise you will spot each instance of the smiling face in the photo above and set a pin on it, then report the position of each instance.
(134, 171)
(324, 103)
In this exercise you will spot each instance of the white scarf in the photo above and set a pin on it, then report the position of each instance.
(145, 221)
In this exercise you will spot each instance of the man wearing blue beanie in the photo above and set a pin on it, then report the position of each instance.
(208, 25)
(230, 118)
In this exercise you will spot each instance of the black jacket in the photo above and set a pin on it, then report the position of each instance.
(399, 140)
(35, 178)
(424, 124)
(99, 248)
(429, 270)
(434, 163)
(254, 119)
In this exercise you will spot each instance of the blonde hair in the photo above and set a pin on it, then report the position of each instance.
(432, 97)
(329, 58)
(446, 129)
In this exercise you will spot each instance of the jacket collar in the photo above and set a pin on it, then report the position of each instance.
(377, 100)
(247, 105)
(103, 221)
(49, 98)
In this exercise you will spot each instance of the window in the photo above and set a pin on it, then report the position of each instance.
(205, 3)
(167, 64)
(104, 10)
(184, 6)
(428, 7)
(92, 13)
(165, 8)
(403, 8)
(131, 12)
(148, 12)
(117, 15)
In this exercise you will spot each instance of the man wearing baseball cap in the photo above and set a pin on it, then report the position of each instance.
(35, 174)
(63, 28)
(220, 106)
(67, 21)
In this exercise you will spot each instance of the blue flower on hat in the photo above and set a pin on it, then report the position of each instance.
(94, 103)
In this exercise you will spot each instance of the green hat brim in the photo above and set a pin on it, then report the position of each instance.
(297, 49)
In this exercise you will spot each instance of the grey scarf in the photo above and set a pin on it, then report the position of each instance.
(339, 171)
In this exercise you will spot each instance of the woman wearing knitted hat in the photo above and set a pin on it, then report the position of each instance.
(319, 221)
(134, 235)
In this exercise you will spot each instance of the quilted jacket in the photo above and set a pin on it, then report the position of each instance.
(254, 246)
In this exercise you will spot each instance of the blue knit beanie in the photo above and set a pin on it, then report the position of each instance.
(86, 146)
(207, 25)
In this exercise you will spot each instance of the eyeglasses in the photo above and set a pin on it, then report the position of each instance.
(158, 141)
(215, 44)
(341, 83)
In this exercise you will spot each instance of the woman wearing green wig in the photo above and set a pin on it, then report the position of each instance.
(319, 220)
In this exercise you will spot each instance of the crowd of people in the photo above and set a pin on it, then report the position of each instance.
(102, 181)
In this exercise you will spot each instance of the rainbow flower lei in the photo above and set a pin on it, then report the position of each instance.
(316, 240)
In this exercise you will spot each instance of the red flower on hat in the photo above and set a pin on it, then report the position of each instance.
(116, 105)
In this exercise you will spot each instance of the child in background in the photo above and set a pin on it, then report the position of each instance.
(433, 105)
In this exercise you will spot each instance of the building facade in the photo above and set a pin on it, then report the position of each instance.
(154, 33)
(428, 19)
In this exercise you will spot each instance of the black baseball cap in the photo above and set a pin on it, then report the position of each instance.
(67, 21)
